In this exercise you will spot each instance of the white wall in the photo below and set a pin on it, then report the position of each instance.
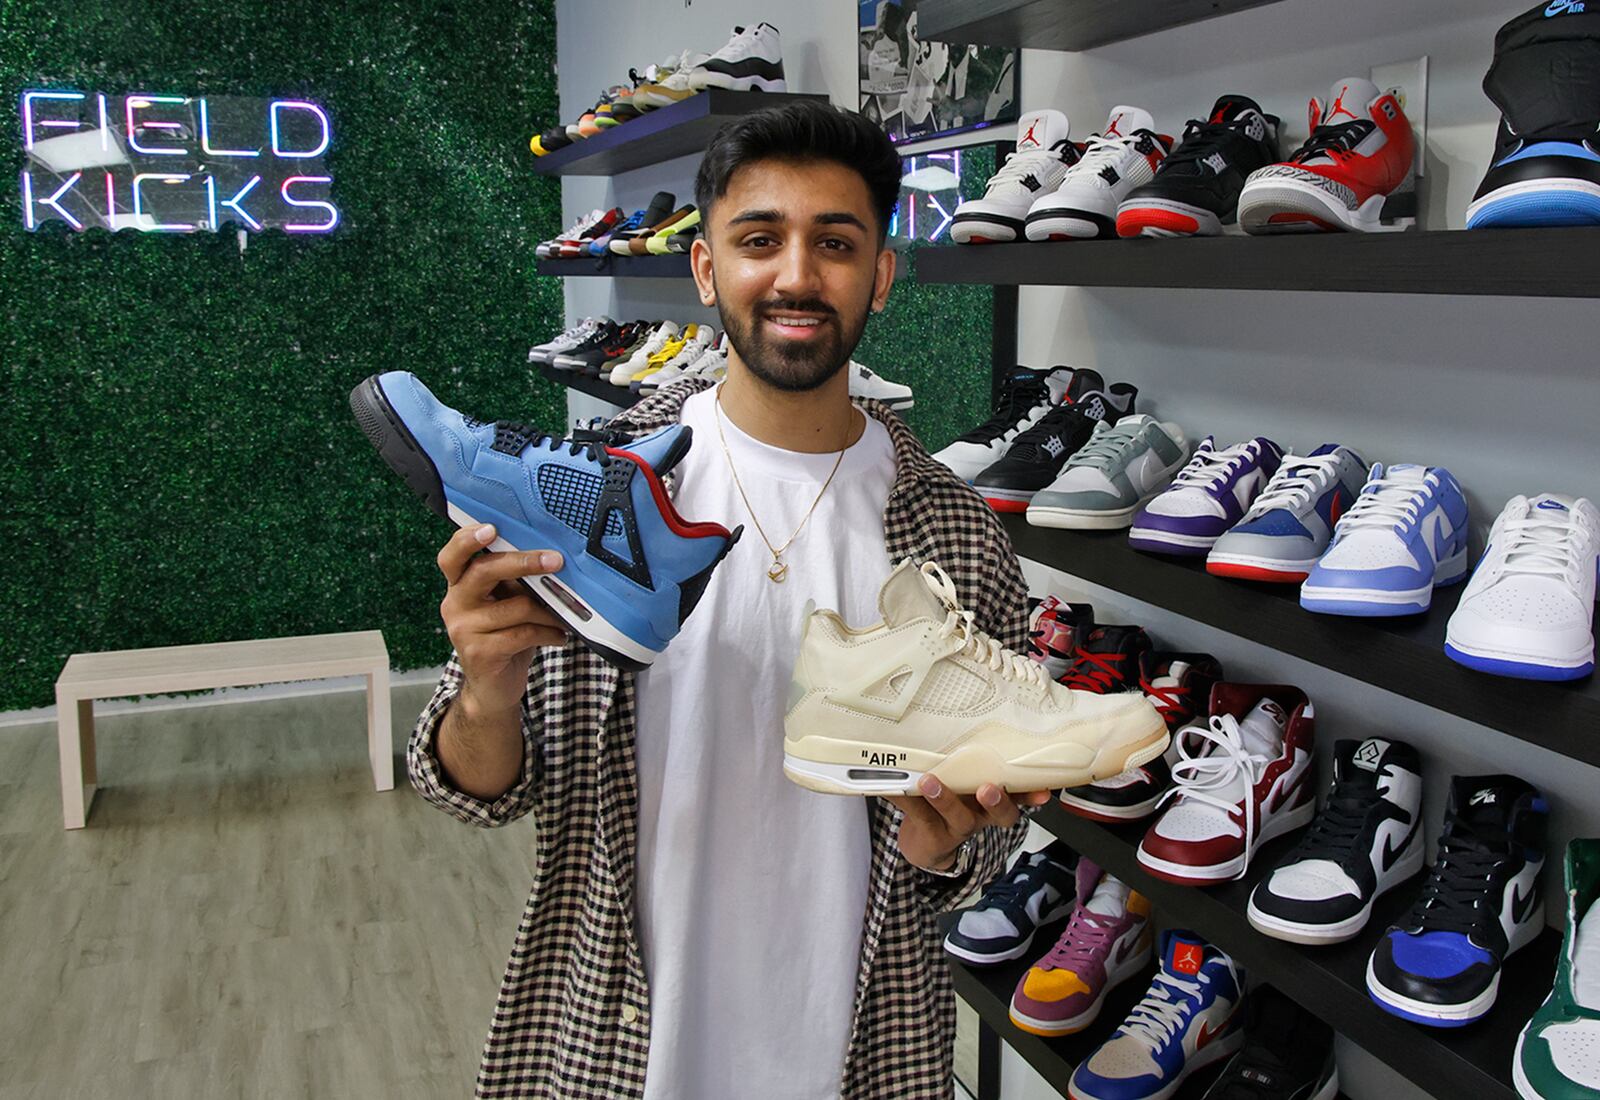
(1500, 390)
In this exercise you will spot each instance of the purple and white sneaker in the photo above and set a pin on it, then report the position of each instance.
(1210, 495)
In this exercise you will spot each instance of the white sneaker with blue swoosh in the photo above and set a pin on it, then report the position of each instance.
(1406, 533)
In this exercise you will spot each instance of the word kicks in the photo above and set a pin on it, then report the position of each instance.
(1054, 631)
(872, 710)
(632, 569)
(1406, 533)
(1287, 1054)
(1367, 840)
(1025, 396)
(1038, 165)
(752, 60)
(1546, 166)
(1179, 686)
(1038, 454)
(1289, 526)
(1038, 890)
(1482, 903)
(1196, 190)
(1121, 469)
(1360, 152)
(1107, 942)
(1529, 609)
(1123, 157)
(1209, 496)
(1189, 1018)
(1556, 1050)
(1241, 779)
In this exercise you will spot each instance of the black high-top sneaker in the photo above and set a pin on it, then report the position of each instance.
(1366, 841)
(1287, 1054)
(1546, 166)
(1038, 454)
(1179, 685)
(1025, 396)
(1441, 965)
(1196, 189)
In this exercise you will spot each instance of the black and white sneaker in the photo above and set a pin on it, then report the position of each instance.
(751, 61)
(1367, 840)
(1025, 396)
(1482, 902)
(1044, 152)
(582, 353)
(1037, 456)
(566, 341)
(1037, 890)
(1287, 1054)
(1196, 190)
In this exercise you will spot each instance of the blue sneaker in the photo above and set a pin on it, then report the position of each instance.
(1038, 890)
(1288, 528)
(632, 568)
(1406, 534)
(660, 206)
(1189, 1018)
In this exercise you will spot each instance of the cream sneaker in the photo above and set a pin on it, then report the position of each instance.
(872, 710)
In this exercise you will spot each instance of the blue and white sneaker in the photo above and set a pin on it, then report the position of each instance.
(1038, 890)
(632, 568)
(1406, 533)
(1189, 1018)
(1288, 528)
(1538, 183)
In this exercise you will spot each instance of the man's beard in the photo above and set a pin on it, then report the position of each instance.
(794, 366)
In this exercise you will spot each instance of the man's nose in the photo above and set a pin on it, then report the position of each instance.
(798, 276)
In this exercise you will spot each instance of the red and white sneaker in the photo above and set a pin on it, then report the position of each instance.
(1360, 152)
(1115, 162)
(1241, 779)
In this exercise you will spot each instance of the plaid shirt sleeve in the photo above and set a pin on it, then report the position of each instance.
(427, 774)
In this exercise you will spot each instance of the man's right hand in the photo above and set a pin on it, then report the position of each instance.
(493, 621)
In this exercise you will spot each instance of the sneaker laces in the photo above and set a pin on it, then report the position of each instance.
(1085, 941)
(1170, 700)
(1336, 829)
(1208, 469)
(1455, 898)
(1023, 394)
(1093, 672)
(1547, 547)
(1100, 151)
(1201, 139)
(1158, 1018)
(1018, 166)
(978, 645)
(1013, 890)
(1104, 446)
(1295, 483)
(1385, 505)
(1335, 141)
(1210, 759)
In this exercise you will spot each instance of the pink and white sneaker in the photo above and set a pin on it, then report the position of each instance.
(1241, 779)
(1107, 941)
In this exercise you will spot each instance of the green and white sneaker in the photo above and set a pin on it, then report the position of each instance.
(1558, 1053)
(1122, 467)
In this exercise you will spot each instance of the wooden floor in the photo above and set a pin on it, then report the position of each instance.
(244, 915)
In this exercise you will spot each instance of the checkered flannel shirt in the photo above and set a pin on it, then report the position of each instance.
(572, 1020)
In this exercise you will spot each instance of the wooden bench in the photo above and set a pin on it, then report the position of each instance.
(91, 676)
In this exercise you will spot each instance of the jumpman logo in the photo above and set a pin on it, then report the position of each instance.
(1028, 138)
(1339, 107)
(1111, 130)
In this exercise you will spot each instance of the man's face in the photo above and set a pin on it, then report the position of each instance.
(794, 268)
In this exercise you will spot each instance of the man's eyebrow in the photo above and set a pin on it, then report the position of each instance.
(841, 217)
(763, 216)
(776, 217)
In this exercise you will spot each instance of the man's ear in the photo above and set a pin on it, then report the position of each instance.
(883, 280)
(700, 265)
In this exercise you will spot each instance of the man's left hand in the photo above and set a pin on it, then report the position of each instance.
(939, 822)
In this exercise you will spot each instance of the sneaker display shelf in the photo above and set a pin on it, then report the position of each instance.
(1061, 24)
(620, 396)
(675, 266)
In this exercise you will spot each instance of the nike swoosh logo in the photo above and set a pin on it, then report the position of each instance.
(1391, 854)
(1207, 1033)
(1522, 905)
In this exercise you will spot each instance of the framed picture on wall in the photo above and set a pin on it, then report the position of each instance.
(917, 89)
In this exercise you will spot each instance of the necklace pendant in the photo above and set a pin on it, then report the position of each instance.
(778, 572)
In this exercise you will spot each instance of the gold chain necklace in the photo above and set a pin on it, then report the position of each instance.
(778, 570)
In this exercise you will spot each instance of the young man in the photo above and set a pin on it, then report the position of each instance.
(701, 928)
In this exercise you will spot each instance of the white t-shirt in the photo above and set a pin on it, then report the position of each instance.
(752, 891)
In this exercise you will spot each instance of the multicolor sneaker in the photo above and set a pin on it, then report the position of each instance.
(1036, 891)
(1209, 496)
(1288, 528)
(623, 370)
(1122, 468)
(1054, 630)
(1107, 942)
(1107, 659)
(1189, 1018)
(1406, 534)
(1115, 162)
(632, 568)
(1557, 1051)
(660, 206)
(1036, 167)
(1440, 966)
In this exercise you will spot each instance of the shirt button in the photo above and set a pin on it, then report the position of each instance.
(630, 1014)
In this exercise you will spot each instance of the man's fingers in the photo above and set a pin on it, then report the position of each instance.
(505, 613)
(959, 818)
(483, 573)
(998, 807)
(466, 542)
(502, 644)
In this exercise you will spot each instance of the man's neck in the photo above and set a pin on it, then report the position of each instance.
(813, 422)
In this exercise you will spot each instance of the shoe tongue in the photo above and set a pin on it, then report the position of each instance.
(1262, 730)
(1485, 803)
(1230, 107)
(1558, 503)
(1040, 130)
(907, 597)
(1406, 473)
(1348, 100)
(1059, 383)
(1183, 954)
(1127, 121)
(1359, 761)
(1085, 381)
(1110, 898)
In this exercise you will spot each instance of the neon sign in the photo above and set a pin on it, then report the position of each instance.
(935, 178)
(175, 163)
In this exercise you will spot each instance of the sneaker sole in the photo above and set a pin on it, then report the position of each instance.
(387, 432)
(702, 80)
(1243, 567)
(1070, 224)
(1551, 202)
(1227, 871)
(1315, 935)
(1109, 815)
(1166, 542)
(1054, 1029)
(1289, 206)
(985, 229)
(1166, 218)
(1520, 666)
(961, 772)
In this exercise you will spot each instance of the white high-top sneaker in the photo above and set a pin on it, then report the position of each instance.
(752, 60)
(680, 365)
(1044, 153)
(872, 709)
(1027, 395)
(1126, 155)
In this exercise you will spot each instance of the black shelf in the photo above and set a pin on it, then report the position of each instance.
(1535, 263)
(1404, 655)
(1061, 24)
(670, 266)
(594, 387)
(658, 135)
(1470, 1061)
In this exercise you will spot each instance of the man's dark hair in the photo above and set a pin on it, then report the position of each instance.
(808, 129)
